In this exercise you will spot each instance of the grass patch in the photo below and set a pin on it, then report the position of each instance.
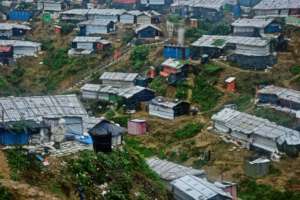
(182, 91)
(188, 131)
(159, 85)
(280, 118)
(212, 69)
(205, 94)
(250, 190)
(138, 146)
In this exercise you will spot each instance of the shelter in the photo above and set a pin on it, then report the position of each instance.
(255, 132)
(168, 109)
(118, 79)
(87, 45)
(277, 8)
(279, 96)
(178, 52)
(248, 3)
(130, 17)
(74, 15)
(19, 15)
(211, 10)
(8, 30)
(137, 127)
(143, 18)
(6, 54)
(19, 133)
(92, 27)
(154, 4)
(125, 4)
(169, 171)
(257, 168)
(256, 27)
(22, 48)
(105, 14)
(106, 136)
(148, 31)
(247, 52)
(130, 96)
(194, 188)
(172, 66)
(50, 5)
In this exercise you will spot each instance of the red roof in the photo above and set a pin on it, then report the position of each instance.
(125, 1)
(5, 49)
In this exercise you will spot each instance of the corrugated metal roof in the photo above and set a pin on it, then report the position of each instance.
(282, 93)
(118, 76)
(122, 92)
(198, 188)
(95, 11)
(161, 101)
(170, 171)
(96, 22)
(249, 124)
(173, 63)
(36, 107)
(86, 39)
(9, 26)
(143, 26)
(16, 43)
(256, 22)
(277, 4)
(211, 40)
(211, 4)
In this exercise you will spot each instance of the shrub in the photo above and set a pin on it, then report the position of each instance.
(159, 85)
(188, 131)
(5, 194)
(295, 70)
(205, 94)
(182, 91)
(139, 56)
(212, 69)
(56, 59)
(66, 28)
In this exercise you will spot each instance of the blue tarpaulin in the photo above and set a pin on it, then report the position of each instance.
(19, 15)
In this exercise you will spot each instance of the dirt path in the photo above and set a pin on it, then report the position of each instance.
(4, 169)
(23, 191)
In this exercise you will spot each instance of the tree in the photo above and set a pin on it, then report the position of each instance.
(139, 56)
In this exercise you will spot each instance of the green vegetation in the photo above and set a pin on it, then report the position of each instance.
(159, 85)
(182, 91)
(21, 164)
(139, 57)
(121, 173)
(218, 42)
(250, 190)
(207, 28)
(188, 131)
(275, 116)
(66, 28)
(211, 69)
(205, 94)
(5, 194)
(242, 101)
(175, 19)
(139, 147)
(295, 70)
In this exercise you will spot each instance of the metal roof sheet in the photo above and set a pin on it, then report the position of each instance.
(282, 93)
(161, 101)
(170, 171)
(211, 4)
(277, 4)
(9, 26)
(36, 107)
(256, 22)
(16, 43)
(198, 188)
(250, 124)
(118, 76)
(86, 39)
(143, 26)
(212, 40)
(96, 22)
